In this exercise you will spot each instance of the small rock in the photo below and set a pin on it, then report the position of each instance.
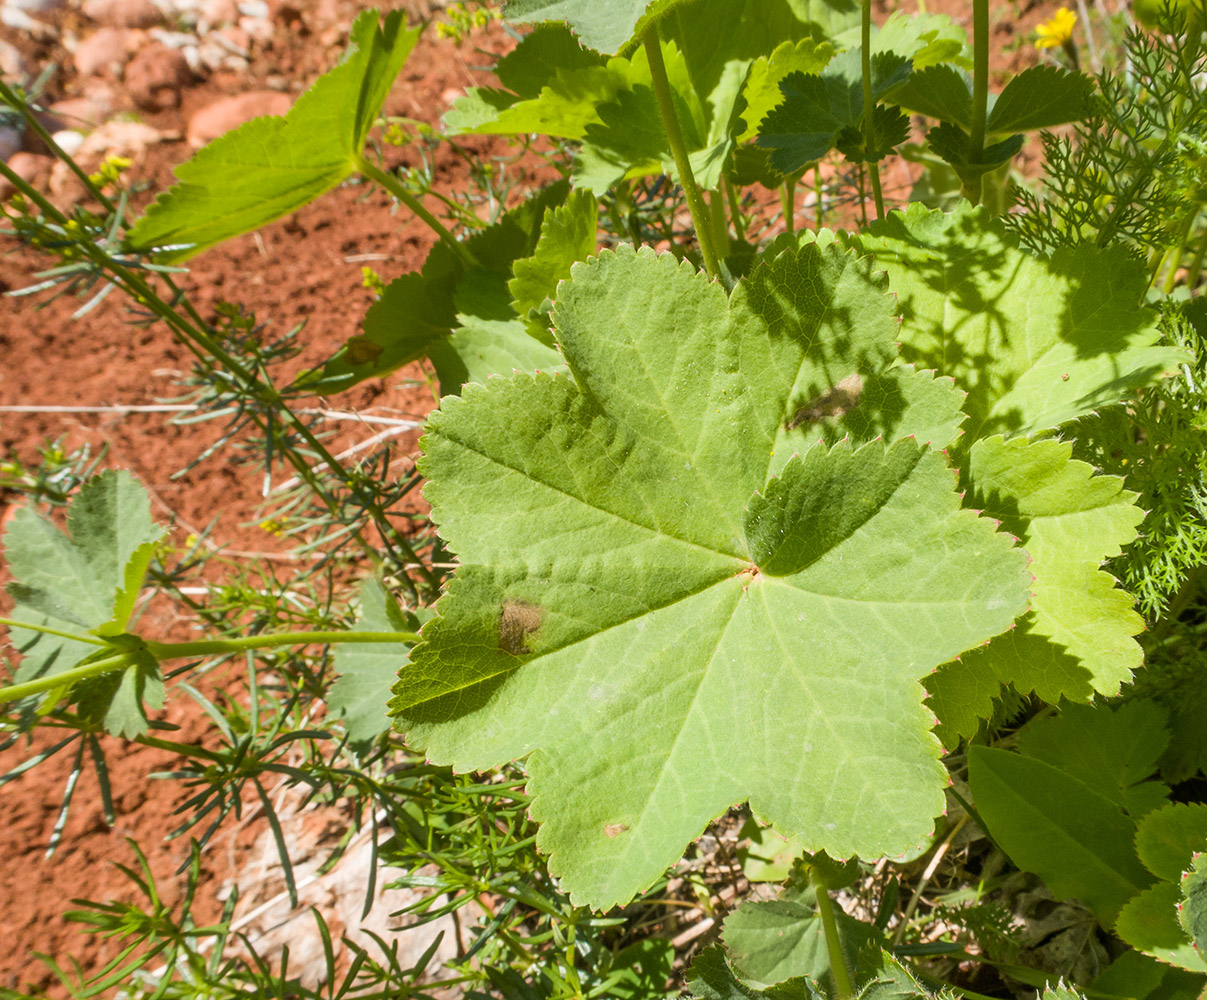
(234, 40)
(103, 53)
(88, 111)
(155, 77)
(231, 112)
(12, 17)
(123, 13)
(69, 141)
(12, 63)
(115, 138)
(256, 28)
(254, 8)
(31, 168)
(11, 141)
(35, 7)
(217, 13)
(173, 39)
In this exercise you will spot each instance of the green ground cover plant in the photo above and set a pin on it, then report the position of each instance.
(831, 544)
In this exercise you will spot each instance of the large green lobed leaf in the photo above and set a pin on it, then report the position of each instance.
(660, 628)
(272, 166)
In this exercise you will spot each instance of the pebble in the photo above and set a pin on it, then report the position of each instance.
(31, 168)
(69, 140)
(123, 13)
(35, 7)
(155, 77)
(231, 112)
(173, 39)
(103, 53)
(13, 17)
(217, 13)
(87, 111)
(12, 63)
(115, 138)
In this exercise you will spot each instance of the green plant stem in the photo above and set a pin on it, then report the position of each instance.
(674, 135)
(394, 186)
(980, 88)
(92, 640)
(838, 962)
(204, 647)
(818, 190)
(212, 647)
(716, 210)
(15, 692)
(869, 106)
(205, 348)
(788, 204)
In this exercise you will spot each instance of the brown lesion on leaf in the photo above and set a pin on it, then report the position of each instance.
(834, 402)
(517, 621)
(612, 830)
(362, 350)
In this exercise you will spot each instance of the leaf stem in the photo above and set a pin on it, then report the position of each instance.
(735, 209)
(91, 640)
(674, 135)
(980, 89)
(788, 204)
(825, 910)
(211, 647)
(869, 106)
(391, 183)
(65, 678)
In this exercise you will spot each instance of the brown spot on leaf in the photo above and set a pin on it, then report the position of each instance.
(835, 402)
(615, 829)
(518, 620)
(361, 350)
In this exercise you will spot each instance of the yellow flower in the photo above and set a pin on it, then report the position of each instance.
(1057, 30)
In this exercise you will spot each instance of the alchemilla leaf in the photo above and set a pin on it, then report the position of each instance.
(661, 625)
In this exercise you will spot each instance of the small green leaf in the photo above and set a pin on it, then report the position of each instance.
(87, 581)
(1041, 97)
(1056, 826)
(784, 938)
(568, 234)
(817, 107)
(712, 977)
(1113, 750)
(940, 92)
(953, 144)
(366, 670)
(272, 166)
(1168, 838)
(1149, 923)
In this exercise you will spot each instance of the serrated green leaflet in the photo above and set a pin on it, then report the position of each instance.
(1035, 342)
(1114, 751)
(609, 618)
(86, 581)
(1056, 826)
(272, 166)
(816, 109)
(366, 671)
(568, 234)
(1041, 97)
(1193, 912)
(1168, 838)
(784, 938)
(1078, 637)
(1149, 923)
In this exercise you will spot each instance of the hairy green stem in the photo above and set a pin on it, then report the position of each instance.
(394, 186)
(838, 962)
(674, 135)
(869, 106)
(212, 647)
(980, 89)
(735, 209)
(90, 639)
(15, 692)
(818, 191)
(788, 204)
